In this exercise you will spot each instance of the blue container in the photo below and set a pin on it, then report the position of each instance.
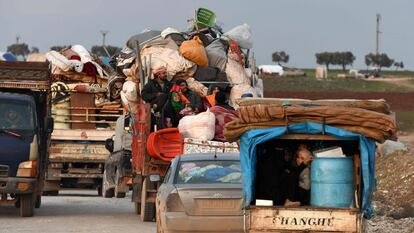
(332, 182)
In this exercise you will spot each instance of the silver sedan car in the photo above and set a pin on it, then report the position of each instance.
(201, 193)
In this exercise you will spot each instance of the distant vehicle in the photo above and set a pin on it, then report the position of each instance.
(118, 164)
(201, 193)
(271, 70)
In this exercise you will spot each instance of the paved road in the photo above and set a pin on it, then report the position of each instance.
(76, 211)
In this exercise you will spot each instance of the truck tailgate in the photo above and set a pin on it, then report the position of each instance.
(279, 219)
(78, 152)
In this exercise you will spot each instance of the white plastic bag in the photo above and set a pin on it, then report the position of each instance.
(200, 126)
(236, 74)
(242, 34)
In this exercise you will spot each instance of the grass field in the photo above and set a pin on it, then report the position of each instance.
(405, 121)
(309, 84)
(333, 73)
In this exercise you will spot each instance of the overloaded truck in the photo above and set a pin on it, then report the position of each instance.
(341, 134)
(77, 153)
(25, 127)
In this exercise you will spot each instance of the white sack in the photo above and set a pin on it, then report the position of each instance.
(237, 91)
(242, 34)
(200, 126)
(236, 74)
(82, 52)
(129, 96)
(171, 59)
(196, 86)
(58, 60)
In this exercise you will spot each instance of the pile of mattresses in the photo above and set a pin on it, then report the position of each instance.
(371, 118)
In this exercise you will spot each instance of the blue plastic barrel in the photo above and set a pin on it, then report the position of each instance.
(332, 182)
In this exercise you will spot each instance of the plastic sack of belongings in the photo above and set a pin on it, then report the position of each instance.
(208, 59)
(81, 94)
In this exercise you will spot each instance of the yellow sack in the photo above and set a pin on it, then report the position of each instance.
(194, 51)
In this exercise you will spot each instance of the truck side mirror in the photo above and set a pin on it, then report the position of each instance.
(109, 145)
(49, 124)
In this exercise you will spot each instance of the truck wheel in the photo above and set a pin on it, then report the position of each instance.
(27, 205)
(147, 209)
(106, 191)
(38, 202)
(137, 207)
(120, 186)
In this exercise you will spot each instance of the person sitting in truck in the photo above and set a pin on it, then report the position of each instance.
(156, 93)
(12, 119)
(195, 104)
(224, 113)
(298, 186)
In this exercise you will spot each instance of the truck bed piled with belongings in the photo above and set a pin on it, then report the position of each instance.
(74, 71)
(198, 64)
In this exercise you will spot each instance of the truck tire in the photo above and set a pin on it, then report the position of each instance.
(119, 185)
(38, 201)
(136, 194)
(27, 204)
(137, 207)
(147, 209)
(106, 191)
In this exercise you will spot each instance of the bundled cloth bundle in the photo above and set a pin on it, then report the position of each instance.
(376, 125)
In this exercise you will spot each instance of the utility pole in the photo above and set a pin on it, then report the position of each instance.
(104, 33)
(17, 39)
(377, 34)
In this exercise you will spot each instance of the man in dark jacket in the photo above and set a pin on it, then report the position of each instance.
(156, 90)
(156, 93)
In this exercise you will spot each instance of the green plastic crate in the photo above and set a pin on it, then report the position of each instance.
(204, 18)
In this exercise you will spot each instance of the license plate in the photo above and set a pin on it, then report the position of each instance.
(216, 204)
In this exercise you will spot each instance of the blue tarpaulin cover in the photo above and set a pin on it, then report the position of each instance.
(250, 140)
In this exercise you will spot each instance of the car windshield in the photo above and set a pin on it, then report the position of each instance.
(16, 116)
(209, 172)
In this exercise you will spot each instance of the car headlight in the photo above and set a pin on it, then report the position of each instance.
(27, 169)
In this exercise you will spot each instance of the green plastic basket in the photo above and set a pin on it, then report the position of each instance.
(204, 18)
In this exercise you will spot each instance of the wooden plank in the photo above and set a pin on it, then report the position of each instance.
(82, 100)
(79, 134)
(272, 219)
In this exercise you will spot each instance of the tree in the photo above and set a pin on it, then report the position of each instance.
(325, 58)
(279, 57)
(344, 59)
(399, 65)
(380, 60)
(20, 49)
(59, 47)
(100, 50)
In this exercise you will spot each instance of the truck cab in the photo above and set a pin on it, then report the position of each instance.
(25, 127)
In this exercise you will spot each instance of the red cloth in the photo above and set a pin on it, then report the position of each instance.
(223, 116)
(75, 57)
(90, 70)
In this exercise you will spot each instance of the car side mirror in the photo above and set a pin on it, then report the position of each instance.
(49, 124)
(155, 177)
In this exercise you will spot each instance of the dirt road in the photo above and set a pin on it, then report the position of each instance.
(76, 211)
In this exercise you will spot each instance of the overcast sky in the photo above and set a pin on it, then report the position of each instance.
(299, 27)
